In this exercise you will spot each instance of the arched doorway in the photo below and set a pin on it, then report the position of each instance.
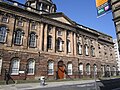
(61, 70)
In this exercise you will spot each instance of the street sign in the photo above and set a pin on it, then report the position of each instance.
(103, 6)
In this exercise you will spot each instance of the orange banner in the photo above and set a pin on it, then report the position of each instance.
(100, 2)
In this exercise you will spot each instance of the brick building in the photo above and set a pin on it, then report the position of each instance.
(35, 41)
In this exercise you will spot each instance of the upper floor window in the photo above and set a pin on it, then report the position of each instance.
(20, 23)
(69, 68)
(50, 29)
(95, 68)
(59, 44)
(79, 48)
(31, 67)
(3, 34)
(18, 37)
(68, 46)
(50, 67)
(92, 51)
(59, 31)
(86, 50)
(0, 65)
(15, 66)
(5, 19)
(33, 41)
(49, 43)
(33, 26)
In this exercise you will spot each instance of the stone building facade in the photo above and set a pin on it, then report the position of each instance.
(35, 41)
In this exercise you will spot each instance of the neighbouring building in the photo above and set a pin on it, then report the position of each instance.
(35, 41)
(117, 55)
(116, 18)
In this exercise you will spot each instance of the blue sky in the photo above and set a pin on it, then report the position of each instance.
(84, 12)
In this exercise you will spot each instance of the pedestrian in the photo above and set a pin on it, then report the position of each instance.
(8, 77)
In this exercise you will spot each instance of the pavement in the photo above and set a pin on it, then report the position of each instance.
(27, 86)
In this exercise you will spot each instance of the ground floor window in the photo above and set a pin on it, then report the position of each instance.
(69, 68)
(88, 69)
(31, 67)
(0, 65)
(15, 66)
(81, 68)
(50, 67)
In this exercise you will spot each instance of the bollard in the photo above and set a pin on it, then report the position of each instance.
(42, 80)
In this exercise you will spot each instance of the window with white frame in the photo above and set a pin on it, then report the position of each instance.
(114, 71)
(0, 65)
(81, 68)
(50, 67)
(79, 48)
(68, 46)
(88, 69)
(31, 67)
(95, 68)
(86, 50)
(5, 19)
(3, 34)
(59, 44)
(15, 66)
(103, 70)
(33, 40)
(69, 70)
(49, 43)
(18, 37)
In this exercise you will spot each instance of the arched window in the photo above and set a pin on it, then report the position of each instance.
(18, 37)
(50, 67)
(32, 42)
(68, 46)
(79, 48)
(59, 44)
(114, 71)
(3, 34)
(69, 68)
(31, 67)
(49, 43)
(102, 70)
(0, 65)
(88, 69)
(81, 68)
(95, 68)
(15, 66)
(86, 50)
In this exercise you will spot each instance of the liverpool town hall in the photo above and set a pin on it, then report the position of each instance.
(36, 41)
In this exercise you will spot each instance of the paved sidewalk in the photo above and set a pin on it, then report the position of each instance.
(37, 85)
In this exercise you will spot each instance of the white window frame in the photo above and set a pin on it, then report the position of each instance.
(95, 69)
(33, 40)
(50, 68)
(5, 34)
(79, 48)
(86, 50)
(88, 71)
(69, 69)
(68, 46)
(0, 66)
(31, 66)
(81, 68)
(15, 68)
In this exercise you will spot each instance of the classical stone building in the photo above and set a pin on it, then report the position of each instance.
(35, 41)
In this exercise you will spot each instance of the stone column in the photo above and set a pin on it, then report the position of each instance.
(54, 39)
(65, 42)
(75, 45)
(72, 45)
(41, 36)
(45, 37)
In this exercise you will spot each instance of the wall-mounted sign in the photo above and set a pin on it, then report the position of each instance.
(102, 6)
